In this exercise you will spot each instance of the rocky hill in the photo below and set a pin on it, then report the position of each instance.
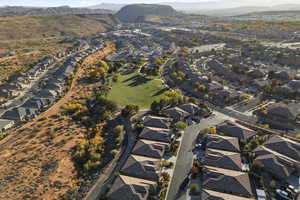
(63, 10)
(136, 12)
(50, 26)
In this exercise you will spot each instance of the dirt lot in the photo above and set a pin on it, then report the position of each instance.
(35, 159)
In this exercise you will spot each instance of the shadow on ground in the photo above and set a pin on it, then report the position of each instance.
(160, 92)
(136, 80)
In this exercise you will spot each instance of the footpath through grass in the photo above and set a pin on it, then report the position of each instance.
(134, 88)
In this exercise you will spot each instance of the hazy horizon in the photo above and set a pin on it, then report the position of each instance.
(87, 3)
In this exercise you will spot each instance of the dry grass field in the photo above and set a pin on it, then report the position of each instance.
(36, 158)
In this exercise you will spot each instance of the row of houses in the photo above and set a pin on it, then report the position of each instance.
(281, 116)
(280, 157)
(45, 95)
(141, 173)
(224, 175)
(20, 81)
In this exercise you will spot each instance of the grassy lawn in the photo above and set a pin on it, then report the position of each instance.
(136, 89)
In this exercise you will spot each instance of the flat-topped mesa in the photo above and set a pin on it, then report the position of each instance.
(134, 12)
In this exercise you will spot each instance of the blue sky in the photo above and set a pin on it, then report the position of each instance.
(78, 3)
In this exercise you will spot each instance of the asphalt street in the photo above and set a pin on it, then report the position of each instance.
(185, 155)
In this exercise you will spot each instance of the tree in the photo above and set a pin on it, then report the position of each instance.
(180, 125)
(115, 77)
(155, 106)
(130, 110)
(213, 130)
(118, 130)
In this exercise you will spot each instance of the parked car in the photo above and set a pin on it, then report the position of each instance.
(283, 194)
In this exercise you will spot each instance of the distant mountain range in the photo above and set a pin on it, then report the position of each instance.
(62, 10)
(218, 8)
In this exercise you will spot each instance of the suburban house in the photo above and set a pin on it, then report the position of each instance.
(233, 129)
(176, 113)
(295, 84)
(33, 103)
(256, 73)
(276, 164)
(223, 159)
(6, 124)
(150, 148)
(158, 122)
(214, 195)
(281, 115)
(224, 97)
(155, 134)
(223, 143)
(191, 108)
(282, 75)
(47, 93)
(142, 167)
(279, 156)
(126, 187)
(227, 181)
(17, 114)
(284, 146)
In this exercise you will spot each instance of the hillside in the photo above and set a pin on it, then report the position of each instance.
(36, 158)
(270, 15)
(41, 36)
(136, 12)
(34, 27)
(63, 10)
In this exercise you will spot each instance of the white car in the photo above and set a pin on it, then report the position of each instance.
(283, 194)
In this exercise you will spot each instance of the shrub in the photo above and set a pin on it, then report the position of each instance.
(166, 163)
(180, 125)
(194, 189)
(114, 152)
(165, 176)
(72, 108)
(130, 110)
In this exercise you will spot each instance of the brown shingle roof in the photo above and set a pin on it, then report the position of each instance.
(158, 122)
(156, 134)
(150, 148)
(214, 195)
(276, 163)
(284, 146)
(227, 181)
(142, 167)
(235, 130)
(190, 108)
(223, 143)
(176, 113)
(125, 187)
(223, 159)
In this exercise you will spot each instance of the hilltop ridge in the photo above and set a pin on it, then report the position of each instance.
(135, 12)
